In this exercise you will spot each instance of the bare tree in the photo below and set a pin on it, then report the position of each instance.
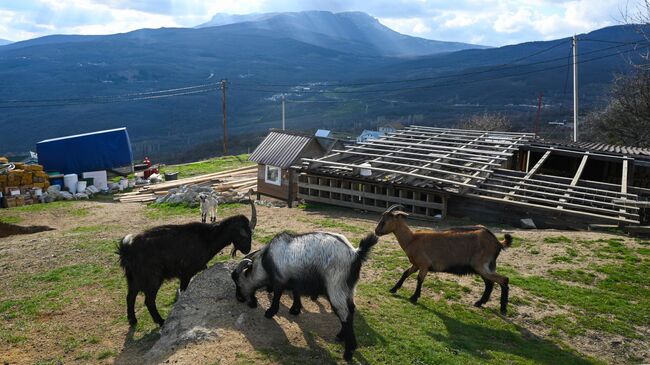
(487, 122)
(626, 120)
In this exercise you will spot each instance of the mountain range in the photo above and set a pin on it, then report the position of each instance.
(343, 71)
(4, 42)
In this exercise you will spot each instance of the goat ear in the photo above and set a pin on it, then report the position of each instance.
(249, 268)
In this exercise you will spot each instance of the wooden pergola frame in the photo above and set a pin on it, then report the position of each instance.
(473, 164)
(609, 202)
(454, 159)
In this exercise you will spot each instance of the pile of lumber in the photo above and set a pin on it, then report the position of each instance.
(238, 180)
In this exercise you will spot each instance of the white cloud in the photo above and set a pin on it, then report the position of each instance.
(492, 22)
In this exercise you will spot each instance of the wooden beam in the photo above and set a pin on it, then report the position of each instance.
(452, 139)
(432, 178)
(409, 146)
(576, 177)
(470, 150)
(410, 159)
(422, 155)
(469, 131)
(552, 202)
(544, 207)
(577, 187)
(531, 172)
(612, 199)
(591, 202)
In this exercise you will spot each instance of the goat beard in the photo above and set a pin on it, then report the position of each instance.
(233, 252)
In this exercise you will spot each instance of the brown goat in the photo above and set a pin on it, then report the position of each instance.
(460, 251)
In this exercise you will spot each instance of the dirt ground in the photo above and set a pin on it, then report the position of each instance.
(96, 312)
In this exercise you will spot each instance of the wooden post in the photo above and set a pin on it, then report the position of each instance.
(224, 85)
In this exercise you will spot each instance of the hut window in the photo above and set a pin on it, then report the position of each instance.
(272, 175)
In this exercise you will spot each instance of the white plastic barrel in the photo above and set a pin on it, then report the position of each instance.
(81, 186)
(365, 171)
(70, 182)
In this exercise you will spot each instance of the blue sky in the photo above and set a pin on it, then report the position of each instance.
(489, 22)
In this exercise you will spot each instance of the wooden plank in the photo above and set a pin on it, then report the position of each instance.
(453, 140)
(549, 194)
(355, 205)
(365, 194)
(391, 171)
(469, 131)
(576, 177)
(577, 187)
(545, 207)
(531, 172)
(612, 199)
(432, 149)
(469, 150)
(549, 201)
(421, 155)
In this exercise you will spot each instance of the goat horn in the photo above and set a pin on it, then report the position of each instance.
(243, 265)
(253, 222)
(393, 207)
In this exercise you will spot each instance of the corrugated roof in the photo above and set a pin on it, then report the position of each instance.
(630, 151)
(280, 148)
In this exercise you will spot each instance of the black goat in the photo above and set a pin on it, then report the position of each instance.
(177, 251)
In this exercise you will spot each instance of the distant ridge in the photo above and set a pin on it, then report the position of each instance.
(4, 42)
(366, 31)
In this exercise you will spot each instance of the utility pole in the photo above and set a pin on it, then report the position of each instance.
(224, 85)
(575, 88)
(283, 112)
(539, 112)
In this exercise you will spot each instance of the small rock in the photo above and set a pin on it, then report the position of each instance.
(239, 323)
(527, 223)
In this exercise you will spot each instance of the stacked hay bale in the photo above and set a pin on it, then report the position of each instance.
(23, 185)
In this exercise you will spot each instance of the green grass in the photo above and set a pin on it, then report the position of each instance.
(208, 166)
(10, 219)
(557, 239)
(438, 332)
(166, 210)
(335, 223)
(576, 276)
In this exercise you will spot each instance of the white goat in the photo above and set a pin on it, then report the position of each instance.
(209, 205)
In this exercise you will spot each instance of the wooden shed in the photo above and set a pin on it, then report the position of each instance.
(275, 156)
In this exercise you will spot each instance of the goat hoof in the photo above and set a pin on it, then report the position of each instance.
(347, 356)
(503, 312)
(294, 311)
(269, 313)
(478, 304)
(393, 290)
(133, 322)
(414, 299)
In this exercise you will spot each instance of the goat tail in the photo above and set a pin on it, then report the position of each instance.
(507, 241)
(364, 248)
(123, 249)
(362, 255)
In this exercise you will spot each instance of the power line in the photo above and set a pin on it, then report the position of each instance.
(98, 100)
(442, 84)
(491, 69)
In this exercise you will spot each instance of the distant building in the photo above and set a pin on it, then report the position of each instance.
(322, 133)
(391, 127)
(367, 134)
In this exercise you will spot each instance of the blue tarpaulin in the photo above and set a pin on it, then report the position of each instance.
(102, 150)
